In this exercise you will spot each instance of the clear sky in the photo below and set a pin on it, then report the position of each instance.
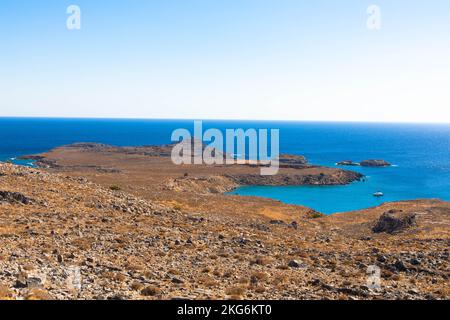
(227, 59)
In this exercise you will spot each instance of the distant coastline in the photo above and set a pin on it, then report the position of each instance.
(422, 168)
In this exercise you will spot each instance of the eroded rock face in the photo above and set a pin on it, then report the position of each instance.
(375, 163)
(394, 221)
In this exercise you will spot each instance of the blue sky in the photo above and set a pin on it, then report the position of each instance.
(227, 59)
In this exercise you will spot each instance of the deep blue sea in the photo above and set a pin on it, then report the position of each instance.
(420, 153)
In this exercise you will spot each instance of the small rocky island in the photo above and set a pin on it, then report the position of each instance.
(348, 163)
(375, 163)
(365, 163)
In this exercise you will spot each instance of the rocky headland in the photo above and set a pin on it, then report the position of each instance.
(101, 222)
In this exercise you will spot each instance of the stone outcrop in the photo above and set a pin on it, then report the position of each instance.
(14, 197)
(394, 221)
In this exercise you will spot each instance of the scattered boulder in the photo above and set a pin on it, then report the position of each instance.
(400, 266)
(394, 221)
(297, 264)
(34, 282)
(14, 197)
(20, 283)
(294, 264)
(177, 280)
(294, 225)
(151, 291)
(260, 227)
(24, 281)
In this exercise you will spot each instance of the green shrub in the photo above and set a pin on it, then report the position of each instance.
(315, 215)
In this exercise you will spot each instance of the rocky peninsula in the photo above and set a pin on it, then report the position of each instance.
(103, 222)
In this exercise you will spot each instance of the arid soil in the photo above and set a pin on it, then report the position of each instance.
(113, 223)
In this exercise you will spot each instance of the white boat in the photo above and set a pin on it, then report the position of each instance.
(378, 194)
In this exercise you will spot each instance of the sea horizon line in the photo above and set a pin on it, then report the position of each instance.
(228, 120)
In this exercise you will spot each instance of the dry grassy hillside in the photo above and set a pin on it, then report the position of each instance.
(54, 227)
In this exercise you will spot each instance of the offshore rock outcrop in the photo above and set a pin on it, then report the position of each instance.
(365, 163)
(348, 163)
(375, 163)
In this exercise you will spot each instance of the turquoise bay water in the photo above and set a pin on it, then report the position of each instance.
(420, 153)
(332, 199)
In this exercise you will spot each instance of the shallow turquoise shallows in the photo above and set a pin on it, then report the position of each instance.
(332, 199)
(420, 153)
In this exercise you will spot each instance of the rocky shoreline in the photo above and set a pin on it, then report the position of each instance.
(339, 178)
